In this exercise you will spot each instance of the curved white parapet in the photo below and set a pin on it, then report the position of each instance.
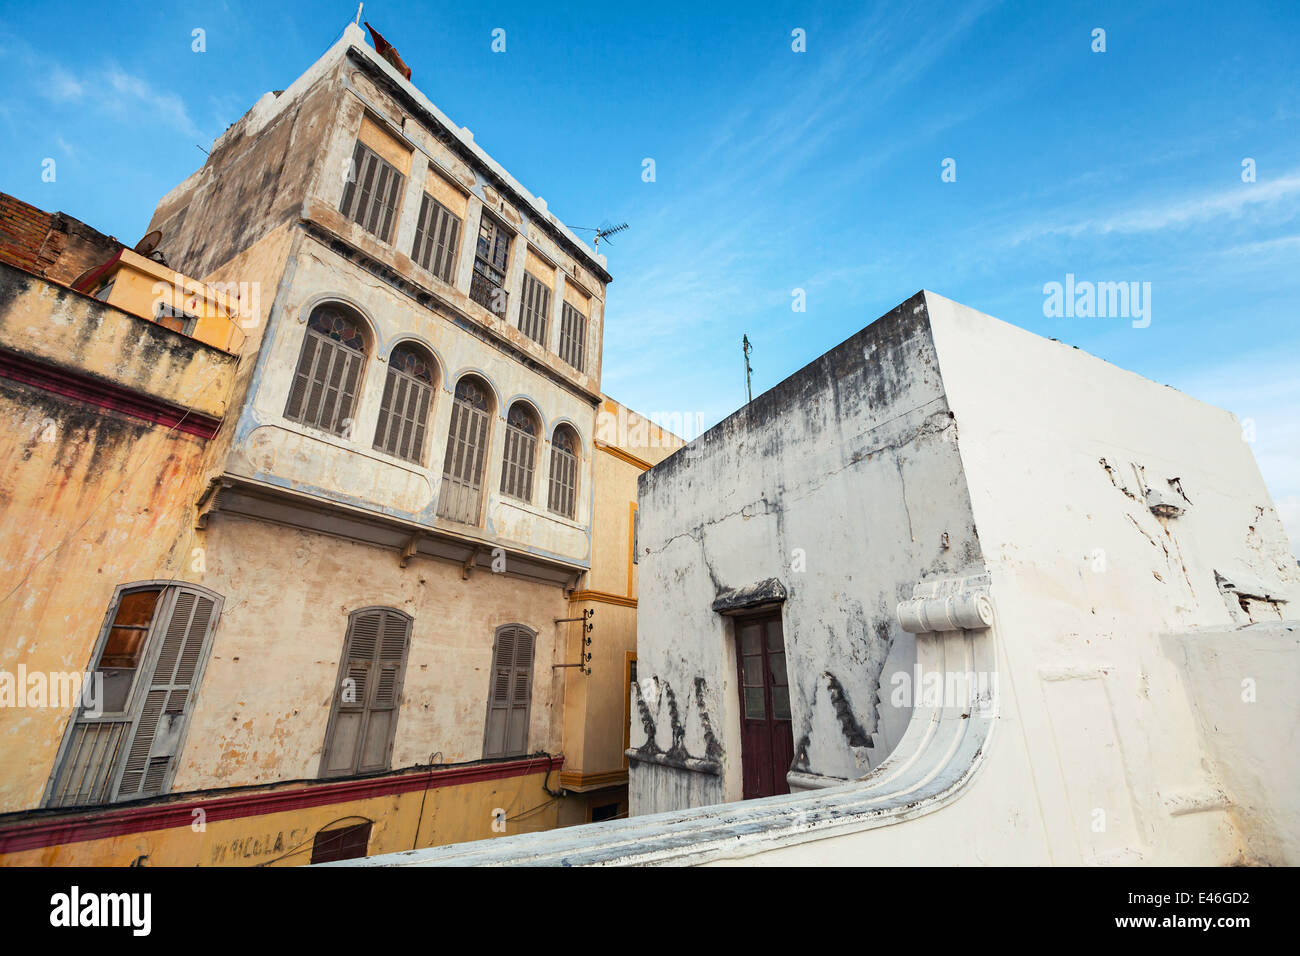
(941, 752)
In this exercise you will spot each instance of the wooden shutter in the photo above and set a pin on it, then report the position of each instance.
(462, 471)
(563, 496)
(373, 193)
(363, 723)
(402, 416)
(155, 742)
(325, 384)
(573, 336)
(519, 455)
(437, 235)
(511, 693)
(536, 307)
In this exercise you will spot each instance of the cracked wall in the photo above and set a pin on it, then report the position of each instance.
(843, 483)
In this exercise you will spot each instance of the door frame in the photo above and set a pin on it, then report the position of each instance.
(739, 621)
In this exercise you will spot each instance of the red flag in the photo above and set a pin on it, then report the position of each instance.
(388, 51)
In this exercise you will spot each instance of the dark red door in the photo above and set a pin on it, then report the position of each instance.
(767, 740)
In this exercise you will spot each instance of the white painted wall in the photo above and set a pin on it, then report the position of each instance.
(1120, 731)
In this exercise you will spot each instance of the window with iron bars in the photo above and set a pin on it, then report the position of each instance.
(487, 284)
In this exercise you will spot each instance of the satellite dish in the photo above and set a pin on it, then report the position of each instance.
(149, 243)
(80, 281)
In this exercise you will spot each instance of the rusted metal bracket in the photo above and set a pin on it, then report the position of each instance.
(587, 626)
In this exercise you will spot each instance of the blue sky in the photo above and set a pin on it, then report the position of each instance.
(777, 170)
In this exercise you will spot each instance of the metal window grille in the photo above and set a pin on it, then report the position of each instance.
(487, 284)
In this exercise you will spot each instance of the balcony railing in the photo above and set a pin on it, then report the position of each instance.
(488, 294)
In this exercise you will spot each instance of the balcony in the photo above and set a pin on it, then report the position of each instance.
(488, 294)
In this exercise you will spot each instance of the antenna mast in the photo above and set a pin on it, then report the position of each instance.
(749, 391)
(602, 232)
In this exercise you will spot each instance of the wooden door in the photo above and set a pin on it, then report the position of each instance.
(767, 738)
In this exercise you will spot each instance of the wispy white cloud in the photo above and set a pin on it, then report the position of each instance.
(1277, 196)
(133, 95)
(62, 85)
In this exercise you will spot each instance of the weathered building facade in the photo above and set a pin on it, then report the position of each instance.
(972, 597)
(360, 584)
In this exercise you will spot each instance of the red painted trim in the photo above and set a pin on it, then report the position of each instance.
(126, 820)
(107, 395)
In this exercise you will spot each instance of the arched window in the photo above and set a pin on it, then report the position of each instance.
(325, 386)
(520, 453)
(467, 442)
(408, 393)
(563, 497)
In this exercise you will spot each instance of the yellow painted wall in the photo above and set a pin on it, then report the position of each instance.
(451, 814)
(140, 285)
(90, 499)
(596, 704)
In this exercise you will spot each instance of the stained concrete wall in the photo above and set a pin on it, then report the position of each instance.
(272, 677)
(269, 447)
(91, 498)
(1110, 512)
(843, 483)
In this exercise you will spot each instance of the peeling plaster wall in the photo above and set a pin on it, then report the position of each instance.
(268, 447)
(255, 177)
(1089, 578)
(90, 498)
(268, 687)
(848, 469)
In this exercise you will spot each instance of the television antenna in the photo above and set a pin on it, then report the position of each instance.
(603, 232)
(749, 391)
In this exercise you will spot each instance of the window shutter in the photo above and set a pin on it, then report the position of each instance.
(573, 336)
(563, 493)
(373, 197)
(366, 701)
(437, 233)
(536, 307)
(462, 470)
(510, 696)
(156, 740)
